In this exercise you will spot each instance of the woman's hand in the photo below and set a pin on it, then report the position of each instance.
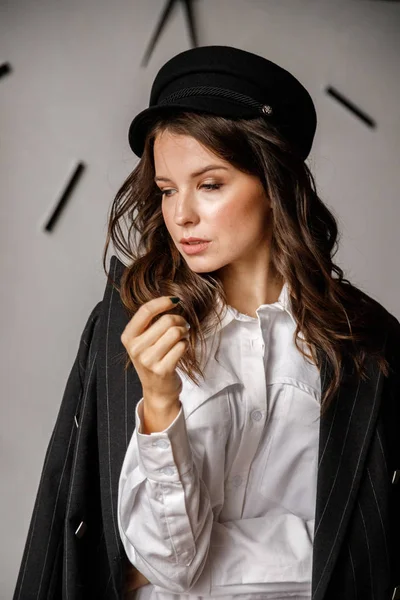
(155, 351)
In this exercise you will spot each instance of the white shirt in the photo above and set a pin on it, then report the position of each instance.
(222, 502)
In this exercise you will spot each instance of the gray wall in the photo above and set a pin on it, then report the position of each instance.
(76, 84)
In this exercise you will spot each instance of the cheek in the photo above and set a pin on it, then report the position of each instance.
(235, 218)
(226, 218)
(167, 216)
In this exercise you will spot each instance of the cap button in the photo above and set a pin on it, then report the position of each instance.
(266, 109)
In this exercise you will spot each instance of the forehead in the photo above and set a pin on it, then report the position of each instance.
(178, 151)
(168, 141)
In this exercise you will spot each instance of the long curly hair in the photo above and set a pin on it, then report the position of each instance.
(332, 315)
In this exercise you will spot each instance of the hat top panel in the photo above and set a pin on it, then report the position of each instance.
(215, 62)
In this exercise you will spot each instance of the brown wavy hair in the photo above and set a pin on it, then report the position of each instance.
(332, 314)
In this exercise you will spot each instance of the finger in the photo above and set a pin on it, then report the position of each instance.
(162, 347)
(144, 315)
(161, 336)
(157, 330)
(168, 364)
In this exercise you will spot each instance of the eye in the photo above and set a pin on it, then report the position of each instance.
(209, 186)
(212, 186)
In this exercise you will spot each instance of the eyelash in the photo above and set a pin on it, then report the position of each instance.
(211, 187)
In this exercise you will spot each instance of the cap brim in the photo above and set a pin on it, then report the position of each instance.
(141, 124)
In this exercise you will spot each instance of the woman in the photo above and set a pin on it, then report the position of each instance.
(261, 461)
(217, 493)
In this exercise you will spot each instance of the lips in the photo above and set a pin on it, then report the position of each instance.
(195, 248)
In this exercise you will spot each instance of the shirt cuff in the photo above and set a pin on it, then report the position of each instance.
(164, 456)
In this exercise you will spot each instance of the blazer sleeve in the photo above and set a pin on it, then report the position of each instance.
(43, 547)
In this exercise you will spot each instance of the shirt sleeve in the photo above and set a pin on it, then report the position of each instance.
(164, 509)
(168, 532)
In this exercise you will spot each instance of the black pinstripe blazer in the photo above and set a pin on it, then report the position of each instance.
(73, 550)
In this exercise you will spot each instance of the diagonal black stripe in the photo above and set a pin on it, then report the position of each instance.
(351, 106)
(5, 69)
(65, 196)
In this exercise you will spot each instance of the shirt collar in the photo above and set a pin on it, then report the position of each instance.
(219, 375)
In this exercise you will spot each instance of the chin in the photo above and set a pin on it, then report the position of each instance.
(206, 267)
(197, 269)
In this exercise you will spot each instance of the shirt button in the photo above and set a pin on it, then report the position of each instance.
(237, 480)
(168, 470)
(256, 415)
(161, 444)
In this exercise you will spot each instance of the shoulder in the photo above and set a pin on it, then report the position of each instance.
(384, 322)
(91, 322)
(95, 322)
(116, 270)
(382, 317)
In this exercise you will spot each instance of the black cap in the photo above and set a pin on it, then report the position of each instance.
(233, 83)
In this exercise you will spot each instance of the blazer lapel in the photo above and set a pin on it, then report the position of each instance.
(345, 434)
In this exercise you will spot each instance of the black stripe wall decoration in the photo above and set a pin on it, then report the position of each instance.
(65, 196)
(5, 69)
(190, 23)
(360, 114)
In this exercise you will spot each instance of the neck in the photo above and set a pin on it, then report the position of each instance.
(246, 299)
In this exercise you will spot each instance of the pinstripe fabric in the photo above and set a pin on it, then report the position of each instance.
(357, 505)
(46, 549)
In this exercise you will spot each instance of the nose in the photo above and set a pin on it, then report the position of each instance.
(185, 211)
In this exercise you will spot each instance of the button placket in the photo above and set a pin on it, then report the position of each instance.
(256, 415)
(237, 481)
(235, 489)
(254, 399)
(168, 470)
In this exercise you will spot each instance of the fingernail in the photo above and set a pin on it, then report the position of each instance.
(175, 299)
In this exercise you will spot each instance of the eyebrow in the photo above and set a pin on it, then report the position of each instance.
(196, 173)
